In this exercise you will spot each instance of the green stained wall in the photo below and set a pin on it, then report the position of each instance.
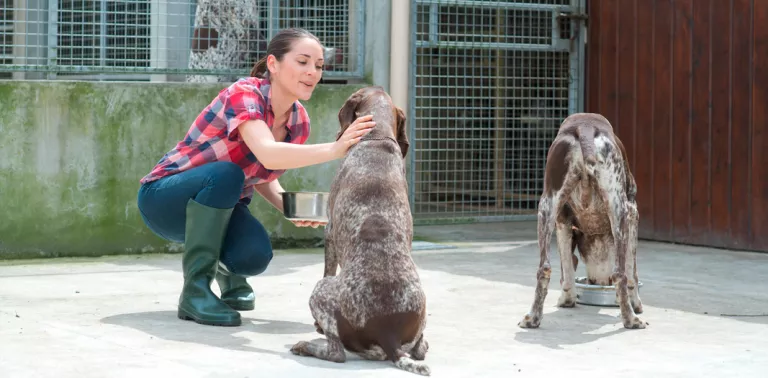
(72, 153)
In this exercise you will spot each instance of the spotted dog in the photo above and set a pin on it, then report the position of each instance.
(375, 307)
(589, 202)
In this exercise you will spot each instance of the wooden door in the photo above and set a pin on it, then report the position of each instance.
(685, 85)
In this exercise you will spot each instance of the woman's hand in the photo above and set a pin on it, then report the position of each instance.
(353, 134)
(313, 224)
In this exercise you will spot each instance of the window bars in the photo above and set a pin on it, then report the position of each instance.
(491, 81)
(166, 39)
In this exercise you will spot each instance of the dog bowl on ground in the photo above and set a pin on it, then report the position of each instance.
(597, 295)
(305, 206)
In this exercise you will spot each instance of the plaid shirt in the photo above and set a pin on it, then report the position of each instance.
(214, 135)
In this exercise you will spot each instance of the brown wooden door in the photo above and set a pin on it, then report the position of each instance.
(685, 85)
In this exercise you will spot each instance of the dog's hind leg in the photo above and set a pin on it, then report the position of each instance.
(373, 354)
(331, 261)
(547, 211)
(620, 224)
(324, 304)
(633, 219)
(564, 235)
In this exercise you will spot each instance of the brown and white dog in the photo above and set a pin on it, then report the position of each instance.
(375, 307)
(589, 202)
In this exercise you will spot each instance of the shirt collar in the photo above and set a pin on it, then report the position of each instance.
(266, 90)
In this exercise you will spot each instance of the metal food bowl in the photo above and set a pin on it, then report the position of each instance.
(597, 295)
(305, 206)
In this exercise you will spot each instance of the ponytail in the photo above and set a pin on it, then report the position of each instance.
(260, 68)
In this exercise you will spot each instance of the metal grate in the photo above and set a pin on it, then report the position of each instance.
(491, 82)
(6, 35)
(103, 33)
(196, 40)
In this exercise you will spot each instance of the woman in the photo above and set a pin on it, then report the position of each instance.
(239, 145)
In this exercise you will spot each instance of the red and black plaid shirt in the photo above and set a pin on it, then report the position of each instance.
(214, 136)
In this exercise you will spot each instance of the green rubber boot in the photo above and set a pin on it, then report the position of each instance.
(235, 290)
(204, 235)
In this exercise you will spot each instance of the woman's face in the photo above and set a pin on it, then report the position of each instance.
(300, 70)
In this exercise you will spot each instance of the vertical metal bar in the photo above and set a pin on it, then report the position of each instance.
(53, 25)
(103, 36)
(576, 59)
(273, 12)
(555, 28)
(498, 153)
(412, 107)
(581, 7)
(19, 26)
(360, 69)
(433, 24)
(158, 45)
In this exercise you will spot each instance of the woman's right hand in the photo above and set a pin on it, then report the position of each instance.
(353, 134)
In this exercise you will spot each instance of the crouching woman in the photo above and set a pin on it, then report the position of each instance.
(198, 193)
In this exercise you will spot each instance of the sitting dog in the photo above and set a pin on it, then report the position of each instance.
(375, 307)
(589, 202)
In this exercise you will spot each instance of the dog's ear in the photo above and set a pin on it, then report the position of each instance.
(402, 133)
(347, 113)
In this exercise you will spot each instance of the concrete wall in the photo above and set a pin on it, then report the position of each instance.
(377, 42)
(71, 155)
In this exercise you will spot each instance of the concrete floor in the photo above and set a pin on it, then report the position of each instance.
(116, 317)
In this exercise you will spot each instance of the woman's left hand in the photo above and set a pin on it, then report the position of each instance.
(313, 224)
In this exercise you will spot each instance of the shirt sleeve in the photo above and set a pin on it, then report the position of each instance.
(243, 103)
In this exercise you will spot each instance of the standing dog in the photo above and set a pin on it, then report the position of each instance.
(375, 307)
(589, 201)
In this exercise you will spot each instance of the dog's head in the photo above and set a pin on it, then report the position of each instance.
(367, 101)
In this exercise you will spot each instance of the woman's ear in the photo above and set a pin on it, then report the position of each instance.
(271, 64)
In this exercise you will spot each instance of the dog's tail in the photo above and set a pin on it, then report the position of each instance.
(586, 134)
(391, 346)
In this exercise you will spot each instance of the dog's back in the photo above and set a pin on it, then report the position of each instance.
(372, 231)
(575, 150)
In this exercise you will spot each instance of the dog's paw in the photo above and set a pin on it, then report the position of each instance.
(530, 321)
(634, 323)
(567, 299)
(300, 348)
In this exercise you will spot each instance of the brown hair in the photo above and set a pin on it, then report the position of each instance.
(278, 46)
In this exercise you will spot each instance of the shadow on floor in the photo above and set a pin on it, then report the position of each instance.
(281, 264)
(166, 325)
(570, 326)
(689, 279)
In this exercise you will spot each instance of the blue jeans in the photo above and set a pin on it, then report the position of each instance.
(246, 250)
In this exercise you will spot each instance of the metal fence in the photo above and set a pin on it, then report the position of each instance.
(196, 40)
(491, 81)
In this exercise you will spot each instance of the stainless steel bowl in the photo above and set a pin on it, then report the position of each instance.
(597, 295)
(306, 206)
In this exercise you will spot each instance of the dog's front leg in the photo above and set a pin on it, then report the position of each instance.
(323, 304)
(546, 215)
